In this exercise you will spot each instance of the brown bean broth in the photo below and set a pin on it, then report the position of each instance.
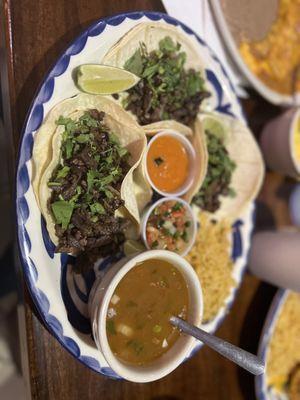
(148, 295)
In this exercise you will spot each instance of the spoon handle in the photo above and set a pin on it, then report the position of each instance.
(243, 358)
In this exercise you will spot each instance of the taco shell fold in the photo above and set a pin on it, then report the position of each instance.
(47, 152)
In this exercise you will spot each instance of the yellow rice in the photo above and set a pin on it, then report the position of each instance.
(210, 257)
(284, 351)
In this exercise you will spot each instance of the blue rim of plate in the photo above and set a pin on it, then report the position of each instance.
(266, 334)
(33, 120)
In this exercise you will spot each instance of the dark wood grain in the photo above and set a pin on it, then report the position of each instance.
(35, 33)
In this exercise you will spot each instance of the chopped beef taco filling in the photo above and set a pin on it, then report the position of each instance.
(166, 90)
(218, 177)
(86, 189)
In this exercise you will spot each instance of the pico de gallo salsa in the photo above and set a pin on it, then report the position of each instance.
(169, 227)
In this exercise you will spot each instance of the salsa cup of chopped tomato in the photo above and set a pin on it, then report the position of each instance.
(169, 224)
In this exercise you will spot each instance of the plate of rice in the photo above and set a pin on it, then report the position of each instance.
(280, 349)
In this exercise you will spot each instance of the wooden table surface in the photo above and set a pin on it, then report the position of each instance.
(33, 35)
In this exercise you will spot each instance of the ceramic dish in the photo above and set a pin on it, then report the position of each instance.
(100, 303)
(192, 229)
(192, 158)
(231, 44)
(261, 389)
(60, 296)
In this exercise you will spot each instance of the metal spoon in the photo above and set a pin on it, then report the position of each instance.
(243, 358)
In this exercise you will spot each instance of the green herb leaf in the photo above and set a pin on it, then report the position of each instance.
(185, 236)
(158, 161)
(122, 151)
(110, 327)
(62, 173)
(106, 180)
(231, 192)
(135, 345)
(167, 45)
(150, 71)
(97, 208)
(135, 63)
(88, 120)
(68, 148)
(194, 84)
(114, 139)
(82, 138)
(74, 199)
(108, 194)
(91, 176)
(177, 206)
(154, 244)
(157, 328)
(62, 211)
(52, 184)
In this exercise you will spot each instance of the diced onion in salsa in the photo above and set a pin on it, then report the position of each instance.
(167, 227)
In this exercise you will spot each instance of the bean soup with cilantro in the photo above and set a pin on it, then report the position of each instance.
(137, 325)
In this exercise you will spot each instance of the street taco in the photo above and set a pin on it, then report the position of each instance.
(235, 167)
(172, 85)
(86, 166)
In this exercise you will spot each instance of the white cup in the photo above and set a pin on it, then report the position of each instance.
(192, 230)
(275, 257)
(192, 163)
(277, 143)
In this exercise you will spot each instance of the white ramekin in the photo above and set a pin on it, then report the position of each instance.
(192, 159)
(192, 228)
(99, 302)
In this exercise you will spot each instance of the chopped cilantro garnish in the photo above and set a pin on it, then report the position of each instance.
(52, 184)
(158, 161)
(157, 328)
(82, 138)
(97, 208)
(154, 244)
(68, 145)
(136, 346)
(177, 206)
(231, 192)
(135, 63)
(110, 327)
(62, 211)
(91, 176)
(122, 151)
(185, 236)
(63, 172)
(88, 120)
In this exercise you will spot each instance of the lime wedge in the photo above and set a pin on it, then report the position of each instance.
(133, 246)
(214, 127)
(103, 79)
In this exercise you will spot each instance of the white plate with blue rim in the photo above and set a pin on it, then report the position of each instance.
(262, 390)
(60, 296)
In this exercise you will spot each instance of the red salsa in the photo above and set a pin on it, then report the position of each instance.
(168, 227)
